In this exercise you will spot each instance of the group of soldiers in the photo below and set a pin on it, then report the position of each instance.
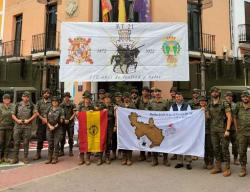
(226, 122)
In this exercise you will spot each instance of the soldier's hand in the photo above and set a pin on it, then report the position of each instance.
(227, 133)
(19, 121)
(66, 121)
(26, 121)
(44, 121)
(115, 129)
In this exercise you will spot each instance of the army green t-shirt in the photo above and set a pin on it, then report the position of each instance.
(217, 113)
(159, 105)
(6, 121)
(55, 115)
(242, 115)
(194, 104)
(42, 106)
(144, 104)
(68, 109)
(82, 107)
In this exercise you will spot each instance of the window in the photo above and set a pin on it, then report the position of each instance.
(51, 26)
(194, 27)
(18, 35)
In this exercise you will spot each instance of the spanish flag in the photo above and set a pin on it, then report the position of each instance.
(122, 11)
(92, 131)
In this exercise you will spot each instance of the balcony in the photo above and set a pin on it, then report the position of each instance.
(244, 33)
(11, 48)
(208, 43)
(52, 44)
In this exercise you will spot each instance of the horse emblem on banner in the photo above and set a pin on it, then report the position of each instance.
(171, 48)
(79, 51)
(124, 61)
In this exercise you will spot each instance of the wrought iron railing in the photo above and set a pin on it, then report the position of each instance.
(244, 33)
(11, 48)
(208, 40)
(52, 42)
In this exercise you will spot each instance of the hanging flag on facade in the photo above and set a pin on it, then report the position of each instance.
(92, 130)
(122, 11)
(106, 8)
(142, 7)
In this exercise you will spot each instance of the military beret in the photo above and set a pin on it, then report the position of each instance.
(86, 94)
(118, 94)
(145, 89)
(229, 93)
(202, 98)
(245, 94)
(196, 91)
(215, 89)
(157, 90)
(134, 90)
(101, 91)
(107, 95)
(126, 95)
(67, 94)
(26, 94)
(173, 89)
(55, 98)
(46, 90)
(6, 96)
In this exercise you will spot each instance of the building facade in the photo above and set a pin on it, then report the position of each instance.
(31, 27)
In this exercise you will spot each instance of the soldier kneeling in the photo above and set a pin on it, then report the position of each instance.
(55, 118)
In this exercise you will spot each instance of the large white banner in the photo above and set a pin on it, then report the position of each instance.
(124, 52)
(181, 132)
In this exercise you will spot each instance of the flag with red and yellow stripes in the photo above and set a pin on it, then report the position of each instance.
(92, 130)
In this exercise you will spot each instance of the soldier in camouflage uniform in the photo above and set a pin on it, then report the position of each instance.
(135, 97)
(85, 105)
(208, 156)
(6, 127)
(23, 115)
(218, 111)
(127, 154)
(242, 124)
(111, 126)
(144, 104)
(55, 118)
(233, 134)
(42, 107)
(68, 125)
(118, 103)
(158, 104)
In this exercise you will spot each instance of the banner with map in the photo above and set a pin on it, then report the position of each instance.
(181, 132)
(124, 52)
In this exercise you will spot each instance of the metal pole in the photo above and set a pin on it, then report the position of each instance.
(245, 71)
(203, 63)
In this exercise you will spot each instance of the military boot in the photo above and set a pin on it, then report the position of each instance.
(107, 159)
(81, 159)
(210, 166)
(217, 168)
(154, 161)
(113, 157)
(165, 160)
(71, 151)
(61, 153)
(124, 158)
(149, 157)
(119, 154)
(99, 160)
(25, 159)
(142, 156)
(87, 162)
(55, 159)
(49, 160)
(174, 157)
(243, 171)
(37, 155)
(15, 160)
(227, 171)
(129, 161)
(236, 161)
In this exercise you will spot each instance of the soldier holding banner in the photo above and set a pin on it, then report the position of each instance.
(158, 104)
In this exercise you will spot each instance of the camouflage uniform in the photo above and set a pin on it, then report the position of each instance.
(242, 116)
(42, 107)
(68, 109)
(217, 113)
(55, 117)
(22, 131)
(6, 129)
(159, 105)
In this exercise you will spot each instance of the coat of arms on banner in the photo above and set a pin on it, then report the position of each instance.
(124, 61)
(79, 51)
(150, 130)
(171, 48)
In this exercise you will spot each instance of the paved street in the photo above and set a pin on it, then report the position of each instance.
(67, 176)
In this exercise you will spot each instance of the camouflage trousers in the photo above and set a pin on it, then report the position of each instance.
(54, 137)
(220, 147)
(19, 135)
(69, 129)
(244, 142)
(235, 144)
(41, 134)
(209, 154)
(5, 139)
